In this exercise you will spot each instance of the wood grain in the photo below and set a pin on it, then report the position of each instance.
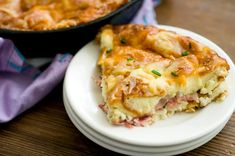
(47, 130)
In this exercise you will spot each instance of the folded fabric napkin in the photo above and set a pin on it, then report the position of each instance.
(146, 14)
(23, 85)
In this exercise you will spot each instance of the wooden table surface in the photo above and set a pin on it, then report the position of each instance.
(47, 130)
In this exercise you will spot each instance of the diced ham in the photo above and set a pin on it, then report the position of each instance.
(140, 121)
(193, 97)
(103, 107)
(171, 102)
(161, 103)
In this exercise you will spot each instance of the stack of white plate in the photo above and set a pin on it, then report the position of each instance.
(177, 134)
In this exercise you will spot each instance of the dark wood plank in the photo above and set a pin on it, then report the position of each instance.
(47, 130)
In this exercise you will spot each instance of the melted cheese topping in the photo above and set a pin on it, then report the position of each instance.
(143, 64)
(53, 14)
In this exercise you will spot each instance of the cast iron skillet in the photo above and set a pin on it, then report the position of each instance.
(68, 40)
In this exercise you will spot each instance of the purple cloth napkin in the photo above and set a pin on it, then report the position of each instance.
(146, 14)
(23, 85)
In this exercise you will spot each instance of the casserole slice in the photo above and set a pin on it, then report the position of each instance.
(150, 73)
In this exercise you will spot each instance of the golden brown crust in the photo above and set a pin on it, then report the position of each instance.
(53, 14)
(146, 50)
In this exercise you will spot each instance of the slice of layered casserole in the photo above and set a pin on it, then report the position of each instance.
(150, 73)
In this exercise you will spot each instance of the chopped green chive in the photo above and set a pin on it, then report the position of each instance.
(123, 41)
(156, 73)
(130, 59)
(108, 51)
(185, 53)
(190, 45)
(174, 74)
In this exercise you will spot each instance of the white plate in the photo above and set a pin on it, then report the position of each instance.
(84, 97)
(125, 146)
(126, 149)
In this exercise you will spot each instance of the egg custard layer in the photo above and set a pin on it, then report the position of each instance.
(150, 73)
